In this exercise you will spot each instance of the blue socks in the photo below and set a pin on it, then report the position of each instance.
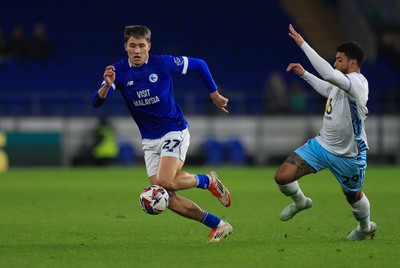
(210, 220)
(202, 181)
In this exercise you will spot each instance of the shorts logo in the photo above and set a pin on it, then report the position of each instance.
(153, 78)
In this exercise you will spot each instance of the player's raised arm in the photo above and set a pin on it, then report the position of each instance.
(323, 67)
(321, 86)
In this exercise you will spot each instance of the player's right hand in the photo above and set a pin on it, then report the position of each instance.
(296, 68)
(109, 75)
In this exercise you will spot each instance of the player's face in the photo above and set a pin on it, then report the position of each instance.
(342, 63)
(138, 50)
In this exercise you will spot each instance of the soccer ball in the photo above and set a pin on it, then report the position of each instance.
(154, 199)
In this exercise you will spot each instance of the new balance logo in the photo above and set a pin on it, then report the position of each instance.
(130, 83)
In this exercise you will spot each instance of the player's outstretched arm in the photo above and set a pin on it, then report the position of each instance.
(327, 72)
(220, 101)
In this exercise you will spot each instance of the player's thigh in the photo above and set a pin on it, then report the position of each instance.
(151, 151)
(173, 152)
(176, 144)
(349, 171)
(292, 169)
(168, 168)
(304, 160)
(312, 155)
(173, 144)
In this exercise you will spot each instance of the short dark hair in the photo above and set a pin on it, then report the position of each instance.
(353, 50)
(137, 31)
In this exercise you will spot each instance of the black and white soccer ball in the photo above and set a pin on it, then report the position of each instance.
(154, 199)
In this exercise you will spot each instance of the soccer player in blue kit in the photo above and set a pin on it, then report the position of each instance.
(145, 83)
(341, 144)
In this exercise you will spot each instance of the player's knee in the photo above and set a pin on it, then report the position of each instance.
(167, 184)
(353, 197)
(285, 174)
(280, 178)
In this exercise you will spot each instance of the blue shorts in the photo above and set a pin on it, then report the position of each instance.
(349, 171)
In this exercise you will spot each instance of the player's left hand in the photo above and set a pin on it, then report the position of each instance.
(295, 35)
(220, 101)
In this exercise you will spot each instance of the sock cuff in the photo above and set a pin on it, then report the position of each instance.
(361, 203)
(202, 181)
(290, 188)
(210, 220)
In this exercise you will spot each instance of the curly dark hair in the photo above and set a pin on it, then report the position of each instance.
(353, 50)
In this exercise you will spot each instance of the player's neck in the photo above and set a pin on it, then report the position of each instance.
(137, 65)
(354, 70)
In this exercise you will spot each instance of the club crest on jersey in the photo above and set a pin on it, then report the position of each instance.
(178, 61)
(153, 78)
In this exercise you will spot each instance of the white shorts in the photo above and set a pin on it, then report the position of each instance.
(174, 143)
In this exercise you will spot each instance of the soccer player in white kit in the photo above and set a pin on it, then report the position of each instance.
(145, 82)
(341, 144)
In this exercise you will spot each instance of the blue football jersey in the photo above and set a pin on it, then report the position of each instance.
(148, 92)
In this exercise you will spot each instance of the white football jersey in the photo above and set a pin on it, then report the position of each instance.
(343, 131)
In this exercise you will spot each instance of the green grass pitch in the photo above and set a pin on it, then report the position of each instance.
(91, 218)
